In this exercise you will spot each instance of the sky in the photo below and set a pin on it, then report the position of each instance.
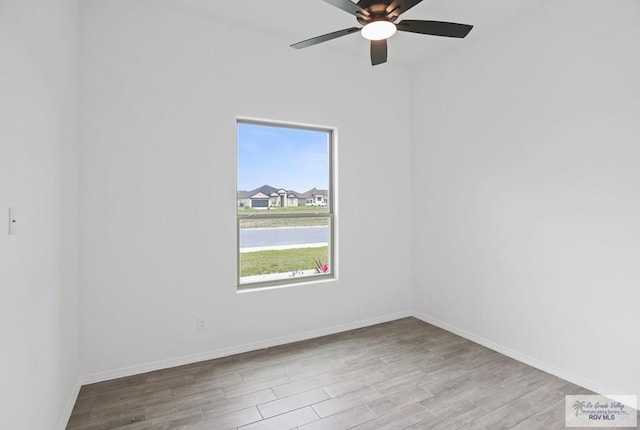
(289, 158)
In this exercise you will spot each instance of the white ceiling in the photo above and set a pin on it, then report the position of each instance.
(297, 20)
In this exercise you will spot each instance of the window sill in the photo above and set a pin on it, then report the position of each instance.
(286, 283)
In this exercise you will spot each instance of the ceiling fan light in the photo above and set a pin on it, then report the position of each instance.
(378, 30)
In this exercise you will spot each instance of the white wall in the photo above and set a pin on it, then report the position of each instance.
(525, 160)
(39, 336)
(161, 90)
(526, 153)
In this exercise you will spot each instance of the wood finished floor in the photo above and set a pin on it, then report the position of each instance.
(399, 375)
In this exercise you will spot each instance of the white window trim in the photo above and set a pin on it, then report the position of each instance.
(330, 214)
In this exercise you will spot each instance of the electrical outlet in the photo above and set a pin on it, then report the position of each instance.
(201, 323)
(12, 221)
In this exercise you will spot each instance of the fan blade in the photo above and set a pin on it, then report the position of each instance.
(435, 28)
(324, 38)
(378, 52)
(348, 6)
(402, 5)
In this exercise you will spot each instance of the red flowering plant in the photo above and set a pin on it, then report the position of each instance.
(321, 268)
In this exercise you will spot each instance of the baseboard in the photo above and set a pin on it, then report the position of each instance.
(225, 352)
(64, 420)
(526, 359)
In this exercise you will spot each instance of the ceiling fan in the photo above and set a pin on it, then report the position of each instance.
(378, 18)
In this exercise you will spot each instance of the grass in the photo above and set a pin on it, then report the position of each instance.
(310, 209)
(281, 261)
(283, 222)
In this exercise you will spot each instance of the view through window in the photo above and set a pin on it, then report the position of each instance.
(284, 203)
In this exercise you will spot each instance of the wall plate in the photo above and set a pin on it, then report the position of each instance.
(12, 221)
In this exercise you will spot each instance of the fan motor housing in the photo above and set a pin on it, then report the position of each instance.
(366, 4)
(377, 12)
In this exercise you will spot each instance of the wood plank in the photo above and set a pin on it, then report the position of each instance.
(288, 404)
(289, 420)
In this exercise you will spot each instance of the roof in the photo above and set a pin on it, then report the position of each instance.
(314, 192)
(266, 190)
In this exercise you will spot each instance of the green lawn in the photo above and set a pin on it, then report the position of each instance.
(281, 261)
(283, 222)
(311, 209)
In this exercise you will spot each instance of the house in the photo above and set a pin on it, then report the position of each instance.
(505, 256)
(261, 197)
(315, 197)
(268, 197)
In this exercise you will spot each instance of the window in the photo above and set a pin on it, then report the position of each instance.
(285, 218)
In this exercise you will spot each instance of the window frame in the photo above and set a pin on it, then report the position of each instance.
(329, 213)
